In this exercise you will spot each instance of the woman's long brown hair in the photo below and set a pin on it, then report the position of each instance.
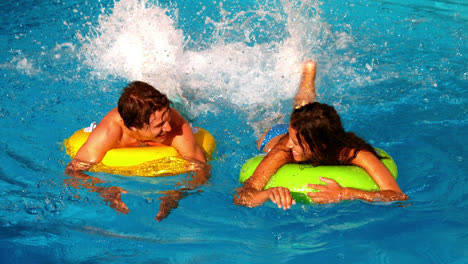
(322, 136)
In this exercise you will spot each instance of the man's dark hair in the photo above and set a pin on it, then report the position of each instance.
(138, 102)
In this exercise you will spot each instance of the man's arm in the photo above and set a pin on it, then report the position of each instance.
(184, 142)
(171, 198)
(99, 142)
(104, 137)
(111, 195)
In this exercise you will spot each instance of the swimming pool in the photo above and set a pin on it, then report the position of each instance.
(397, 74)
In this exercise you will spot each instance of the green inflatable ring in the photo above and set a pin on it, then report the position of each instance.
(295, 177)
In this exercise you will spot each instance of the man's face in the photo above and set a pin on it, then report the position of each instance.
(159, 126)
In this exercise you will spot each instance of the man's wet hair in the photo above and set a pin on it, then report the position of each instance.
(139, 100)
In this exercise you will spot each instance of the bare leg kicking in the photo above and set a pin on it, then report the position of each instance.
(306, 93)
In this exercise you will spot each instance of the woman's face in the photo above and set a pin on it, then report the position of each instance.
(298, 152)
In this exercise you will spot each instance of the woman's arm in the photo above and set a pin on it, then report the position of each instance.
(389, 189)
(251, 194)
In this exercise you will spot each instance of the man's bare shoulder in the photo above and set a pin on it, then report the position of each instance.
(110, 123)
(112, 117)
(104, 137)
(109, 131)
(178, 122)
(176, 116)
(184, 139)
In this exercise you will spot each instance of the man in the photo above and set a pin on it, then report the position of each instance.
(143, 118)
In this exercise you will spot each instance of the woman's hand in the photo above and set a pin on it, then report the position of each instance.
(281, 196)
(332, 192)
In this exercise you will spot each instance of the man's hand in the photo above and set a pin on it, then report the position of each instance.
(168, 202)
(112, 195)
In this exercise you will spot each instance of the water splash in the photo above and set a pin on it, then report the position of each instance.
(137, 41)
(251, 64)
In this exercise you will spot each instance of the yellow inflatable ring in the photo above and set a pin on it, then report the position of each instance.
(153, 161)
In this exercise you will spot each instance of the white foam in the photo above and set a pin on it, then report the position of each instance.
(23, 64)
(240, 74)
(139, 41)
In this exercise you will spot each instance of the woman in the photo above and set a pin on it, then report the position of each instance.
(315, 136)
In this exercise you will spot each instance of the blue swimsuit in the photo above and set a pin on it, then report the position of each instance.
(276, 130)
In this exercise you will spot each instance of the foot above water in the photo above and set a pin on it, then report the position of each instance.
(306, 93)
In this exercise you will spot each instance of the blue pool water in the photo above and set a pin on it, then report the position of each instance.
(396, 72)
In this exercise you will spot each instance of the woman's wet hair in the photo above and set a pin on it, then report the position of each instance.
(323, 138)
(138, 102)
